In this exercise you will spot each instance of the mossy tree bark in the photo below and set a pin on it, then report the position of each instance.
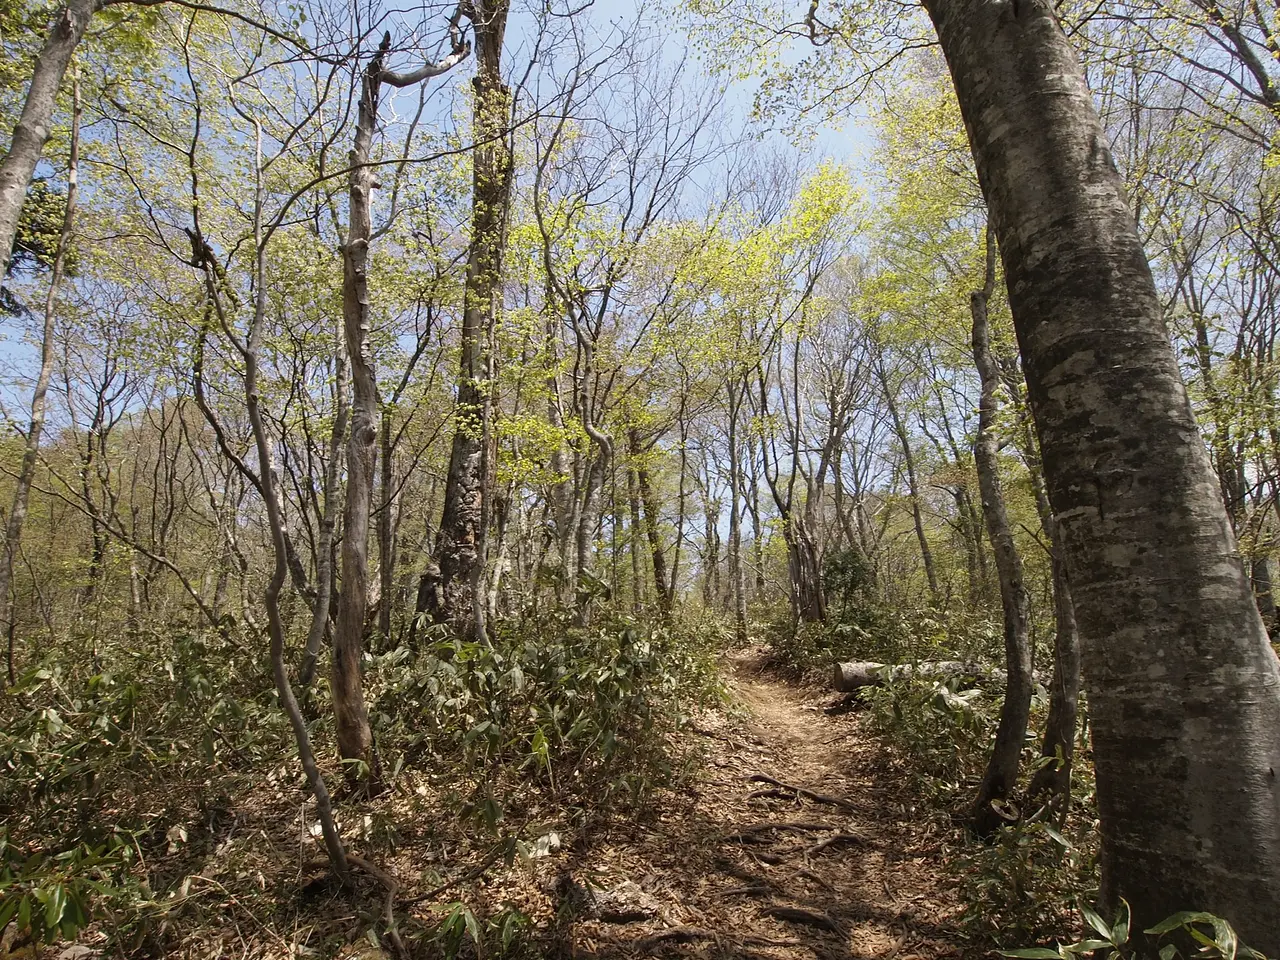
(1184, 688)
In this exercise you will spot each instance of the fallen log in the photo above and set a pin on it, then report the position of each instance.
(867, 673)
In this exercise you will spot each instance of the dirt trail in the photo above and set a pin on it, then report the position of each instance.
(744, 864)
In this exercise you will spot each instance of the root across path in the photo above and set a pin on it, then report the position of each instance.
(789, 845)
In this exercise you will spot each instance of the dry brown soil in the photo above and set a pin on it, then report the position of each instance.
(790, 845)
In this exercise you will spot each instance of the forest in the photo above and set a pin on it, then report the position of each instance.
(771, 479)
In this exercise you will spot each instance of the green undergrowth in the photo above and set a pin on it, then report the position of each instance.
(585, 712)
(123, 768)
(862, 625)
(1190, 933)
(109, 759)
(1020, 885)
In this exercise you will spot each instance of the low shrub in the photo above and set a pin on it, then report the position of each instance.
(940, 732)
(584, 709)
(102, 761)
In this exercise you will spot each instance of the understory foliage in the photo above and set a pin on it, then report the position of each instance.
(584, 711)
(125, 767)
(1020, 884)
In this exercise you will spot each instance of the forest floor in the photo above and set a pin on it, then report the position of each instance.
(788, 836)
(796, 841)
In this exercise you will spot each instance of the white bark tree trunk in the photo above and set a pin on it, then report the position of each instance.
(35, 122)
(1184, 688)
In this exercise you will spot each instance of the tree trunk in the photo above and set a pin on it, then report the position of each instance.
(711, 554)
(1260, 574)
(682, 505)
(355, 739)
(1053, 781)
(634, 540)
(320, 619)
(275, 524)
(31, 449)
(806, 575)
(1184, 688)
(386, 530)
(757, 527)
(649, 501)
(35, 122)
(913, 490)
(736, 579)
(460, 547)
(1002, 770)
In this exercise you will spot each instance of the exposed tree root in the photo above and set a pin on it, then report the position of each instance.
(816, 878)
(751, 833)
(750, 890)
(802, 791)
(839, 839)
(392, 886)
(684, 934)
(801, 915)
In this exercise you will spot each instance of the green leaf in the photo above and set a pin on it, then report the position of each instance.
(1057, 837)
(1168, 952)
(7, 909)
(1200, 938)
(1087, 946)
(1120, 932)
(1033, 953)
(1095, 921)
(1180, 920)
(473, 926)
(53, 906)
(1225, 937)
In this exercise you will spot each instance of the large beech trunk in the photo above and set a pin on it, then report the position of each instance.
(1184, 688)
(460, 547)
(35, 122)
(1001, 776)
